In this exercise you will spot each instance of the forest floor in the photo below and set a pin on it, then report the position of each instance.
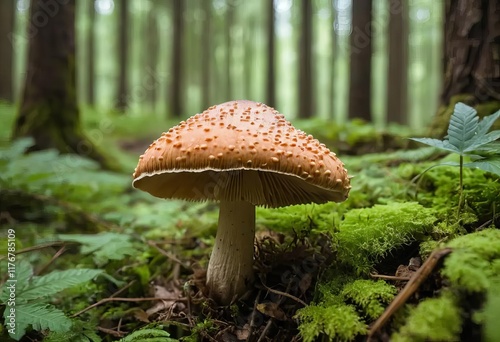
(96, 260)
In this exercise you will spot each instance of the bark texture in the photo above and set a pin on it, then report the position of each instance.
(176, 86)
(398, 62)
(6, 42)
(471, 59)
(360, 68)
(306, 93)
(472, 50)
(123, 36)
(271, 70)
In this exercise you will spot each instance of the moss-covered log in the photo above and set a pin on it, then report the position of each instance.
(49, 112)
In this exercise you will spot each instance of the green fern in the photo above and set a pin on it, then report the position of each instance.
(55, 282)
(40, 317)
(80, 332)
(31, 307)
(104, 246)
(469, 137)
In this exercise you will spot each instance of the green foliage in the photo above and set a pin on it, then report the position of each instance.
(466, 135)
(148, 335)
(338, 322)
(475, 261)
(322, 217)
(371, 296)
(68, 177)
(80, 332)
(434, 319)
(367, 235)
(31, 301)
(103, 246)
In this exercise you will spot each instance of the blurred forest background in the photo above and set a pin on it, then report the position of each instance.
(175, 58)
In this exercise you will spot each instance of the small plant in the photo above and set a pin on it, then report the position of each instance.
(26, 300)
(469, 137)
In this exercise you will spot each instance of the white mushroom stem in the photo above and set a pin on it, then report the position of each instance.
(230, 270)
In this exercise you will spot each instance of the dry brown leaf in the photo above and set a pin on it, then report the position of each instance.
(272, 310)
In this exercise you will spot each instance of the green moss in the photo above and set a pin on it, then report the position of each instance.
(370, 296)
(434, 319)
(491, 313)
(322, 217)
(367, 235)
(338, 322)
(475, 260)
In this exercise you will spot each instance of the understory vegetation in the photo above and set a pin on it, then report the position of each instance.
(97, 260)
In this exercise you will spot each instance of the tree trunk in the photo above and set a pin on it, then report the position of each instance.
(397, 96)
(360, 68)
(91, 55)
(123, 28)
(471, 59)
(306, 94)
(206, 59)
(6, 28)
(176, 87)
(271, 77)
(472, 50)
(49, 111)
(333, 60)
(229, 50)
(151, 55)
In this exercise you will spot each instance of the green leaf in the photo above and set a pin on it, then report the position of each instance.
(441, 144)
(483, 140)
(57, 281)
(491, 164)
(16, 149)
(489, 148)
(104, 246)
(40, 317)
(463, 126)
(484, 126)
(24, 271)
(148, 335)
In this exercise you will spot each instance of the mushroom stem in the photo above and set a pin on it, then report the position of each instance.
(230, 269)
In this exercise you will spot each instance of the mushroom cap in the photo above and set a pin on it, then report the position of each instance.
(241, 151)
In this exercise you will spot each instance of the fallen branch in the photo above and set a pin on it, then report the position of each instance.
(411, 287)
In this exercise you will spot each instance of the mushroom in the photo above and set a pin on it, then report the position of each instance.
(242, 154)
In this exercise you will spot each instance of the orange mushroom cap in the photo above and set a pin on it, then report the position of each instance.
(241, 151)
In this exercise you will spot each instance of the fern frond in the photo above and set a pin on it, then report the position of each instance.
(40, 317)
(55, 282)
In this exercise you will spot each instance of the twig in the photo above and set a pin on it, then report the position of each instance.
(167, 254)
(120, 299)
(411, 287)
(111, 332)
(387, 277)
(123, 289)
(252, 319)
(266, 329)
(41, 246)
(298, 300)
(54, 257)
